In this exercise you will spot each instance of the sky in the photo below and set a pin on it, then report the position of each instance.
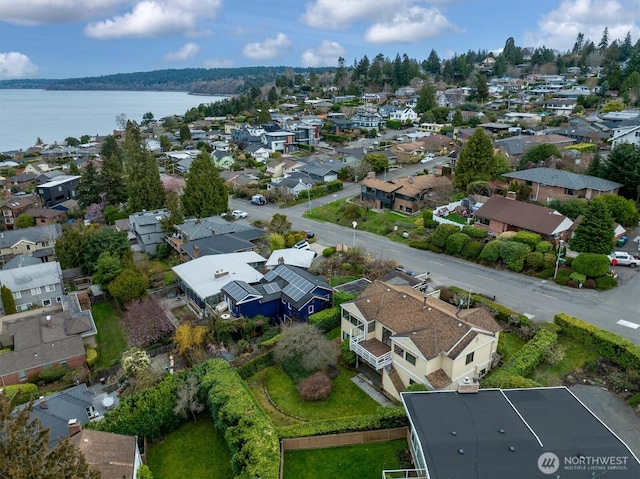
(83, 38)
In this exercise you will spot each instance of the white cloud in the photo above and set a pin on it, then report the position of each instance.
(38, 12)
(269, 49)
(559, 28)
(152, 18)
(413, 24)
(16, 65)
(189, 50)
(326, 54)
(218, 63)
(339, 14)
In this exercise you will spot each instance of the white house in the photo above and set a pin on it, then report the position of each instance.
(403, 114)
(629, 134)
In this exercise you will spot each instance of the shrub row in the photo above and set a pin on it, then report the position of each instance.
(249, 433)
(501, 313)
(257, 364)
(327, 319)
(21, 393)
(386, 417)
(609, 345)
(512, 374)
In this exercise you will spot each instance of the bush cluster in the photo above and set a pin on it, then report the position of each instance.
(528, 238)
(472, 250)
(591, 265)
(21, 393)
(456, 243)
(316, 387)
(442, 232)
(256, 365)
(327, 319)
(50, 375)
(474, 232)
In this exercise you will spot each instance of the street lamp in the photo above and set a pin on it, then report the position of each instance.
(555, 273)
(354, 224)
(308, 194)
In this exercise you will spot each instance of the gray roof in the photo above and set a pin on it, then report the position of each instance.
(198, 228)
(149, 217)
(321, 170)
(229, 243)
(513, 146)
(21, 260)
(470, 435)
(563, 179)
(32, 276)
(34, 234)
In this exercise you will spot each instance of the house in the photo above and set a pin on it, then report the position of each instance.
(36, 169)
(500, 214)
(202, 279)
(509, 433)
(36, 241)
(64, 412)
(300, 258)
(408, 195)
(44, 338)
(410, 337)
(64, 187)
(321, 171)
(34, 285)
(282, 141)
(15, 206)
(115, 456)
(549, 183)
(281, 166)
(292, 184)
(257, 152)
(368, 118)
(147, 226)
(223, 160)
(20, 182)
(559, 106)
(46, 216)
(629, 134)
(212, 235)
(403, 115)
(284, 293)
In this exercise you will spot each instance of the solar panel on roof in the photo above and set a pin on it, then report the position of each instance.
(234, 290)
(270, 276)
(271, 288)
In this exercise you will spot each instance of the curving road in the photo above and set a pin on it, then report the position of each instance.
(617, 310)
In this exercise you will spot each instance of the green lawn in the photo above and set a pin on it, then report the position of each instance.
(196, 450)
(346, 398)
(509, 344)
(111, 338)
(364, 461)
(575, 356)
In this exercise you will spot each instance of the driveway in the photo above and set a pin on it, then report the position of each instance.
(613, 412)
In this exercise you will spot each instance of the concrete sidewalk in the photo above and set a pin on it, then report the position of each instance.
(365, 384)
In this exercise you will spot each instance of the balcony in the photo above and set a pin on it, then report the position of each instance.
(404, 474)
(374, 352)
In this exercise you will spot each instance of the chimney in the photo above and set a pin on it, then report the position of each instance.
(74, 427)
(196, 251)
(468, 386)
(219, 274)
(280, 260)
(43, 403)
(511, 195)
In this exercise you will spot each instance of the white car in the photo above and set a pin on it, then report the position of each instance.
(427, 158)
(239, 214)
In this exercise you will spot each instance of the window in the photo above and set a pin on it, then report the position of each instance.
(411, 359)
(17, 295)
(469, 357)
(371, 327)
(345, 336)
(64, 364)
(311, 309)
(35, 291)
(345, 314)
(46, 302)
(22, 376)
(411, 381)
(483, 372)
(398, 350)
(50, 288)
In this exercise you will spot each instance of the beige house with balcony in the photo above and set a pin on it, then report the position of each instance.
(409, 337)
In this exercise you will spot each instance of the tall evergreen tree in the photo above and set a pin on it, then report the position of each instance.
(143, 177)
(205, 193)
(426, 98)
(89, 186)
(594, 234)
(110, 147)
(476, 161)
(113, 181)
(432, 64)
(623, 165)
(595, 165)
(8, 303)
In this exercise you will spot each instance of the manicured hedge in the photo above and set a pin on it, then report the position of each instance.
(256, 365)
(512, 374)
(513, 254)
(491, 252)
(544, 246)
(248, 431)
(591, 265)
(442, 232)
(528, 238)
(456, 242)
(475, 232)
(609, 345)
(472, 250)
(327, 319)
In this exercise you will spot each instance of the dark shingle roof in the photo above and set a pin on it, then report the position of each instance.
(564, 179)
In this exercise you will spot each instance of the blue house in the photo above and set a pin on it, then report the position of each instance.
(284, 293)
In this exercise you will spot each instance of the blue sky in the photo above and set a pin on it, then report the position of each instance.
(78, 38)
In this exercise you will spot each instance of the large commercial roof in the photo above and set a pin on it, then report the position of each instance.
(516, 433)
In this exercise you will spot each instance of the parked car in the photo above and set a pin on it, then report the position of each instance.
(304, 244)
(309, 233)
(239, 214)
(624, 259)
(258, 200)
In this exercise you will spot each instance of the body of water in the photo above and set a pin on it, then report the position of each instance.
(53, 116)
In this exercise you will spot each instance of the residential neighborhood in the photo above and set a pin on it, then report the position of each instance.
(437, 264)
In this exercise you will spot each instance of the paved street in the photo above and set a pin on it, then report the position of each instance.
(617, 310)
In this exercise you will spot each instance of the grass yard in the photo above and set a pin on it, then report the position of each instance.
(111, 338)
(575, 356)
(346, 398)
(364, 461)
(509, 344)
(457, 218)
(195, 450)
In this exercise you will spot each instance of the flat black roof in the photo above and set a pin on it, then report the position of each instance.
(501, 434)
